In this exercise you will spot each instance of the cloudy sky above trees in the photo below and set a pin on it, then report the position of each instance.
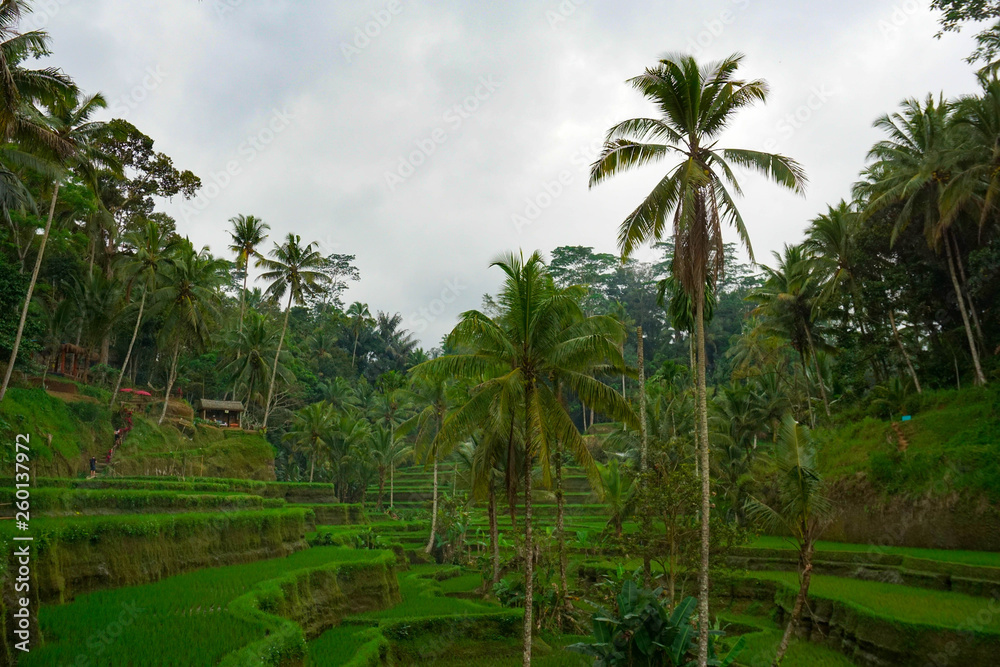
(427, 137)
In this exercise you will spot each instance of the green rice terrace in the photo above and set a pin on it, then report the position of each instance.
(755, 424)
(155, 570)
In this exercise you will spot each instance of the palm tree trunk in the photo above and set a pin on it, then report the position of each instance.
(694, 371)
(312, 466)
(128, 354)
(968, 296)
(643, 437)
(906, 356)
(529, 547)
(381, 490)
(243, 296)
(392, 482)
(643, 440)
(805, 384)
(560, 519)
(354, 352)
(980, 378)
(434, 506)
(494, 532)
(170, 380)
(274, 367)
(800, 600)
(706, 490)
(819, 372)
(31, 289)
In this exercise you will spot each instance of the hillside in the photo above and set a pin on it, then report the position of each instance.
(66, 429)
(931, 481)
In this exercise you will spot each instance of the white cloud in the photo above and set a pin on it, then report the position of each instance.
(562, 85)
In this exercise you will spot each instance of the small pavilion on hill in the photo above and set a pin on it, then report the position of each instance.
(223, 413)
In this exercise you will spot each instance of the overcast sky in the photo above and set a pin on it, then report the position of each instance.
(427, 137)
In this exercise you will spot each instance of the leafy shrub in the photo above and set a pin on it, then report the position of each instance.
(642, 630)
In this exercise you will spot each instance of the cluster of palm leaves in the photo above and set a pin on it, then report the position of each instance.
(47, 133)
(352, 437)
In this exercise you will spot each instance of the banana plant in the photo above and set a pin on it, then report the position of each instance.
(644, 631)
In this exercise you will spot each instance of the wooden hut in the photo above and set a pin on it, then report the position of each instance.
(222, 413)
(72, 361)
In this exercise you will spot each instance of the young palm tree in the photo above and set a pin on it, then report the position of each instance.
(351, 433)
(618, 490)
(247, 233)
(313, 429)
(152, 253)
(430, 392)
(69, 119)
(541, 334)
(93, 305)
(188, 300)
(293, 268)
(340, 394)
(386, 450)
(791, 299)
(360, 317)
(696, 103)
(802, 509)
(912, 168)
(254, 348)
(391, 404)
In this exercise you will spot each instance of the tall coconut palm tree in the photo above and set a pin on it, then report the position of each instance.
(541, 334)
(76, 149)
(359, 317)
(696, 104)
(152, 253)
(247, 233)
(313, 428)
(912, 168)
(188, 300)
(802, 509)
(292, 268)
(20, 87)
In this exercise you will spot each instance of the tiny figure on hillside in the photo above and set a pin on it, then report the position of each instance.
(93, 466)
